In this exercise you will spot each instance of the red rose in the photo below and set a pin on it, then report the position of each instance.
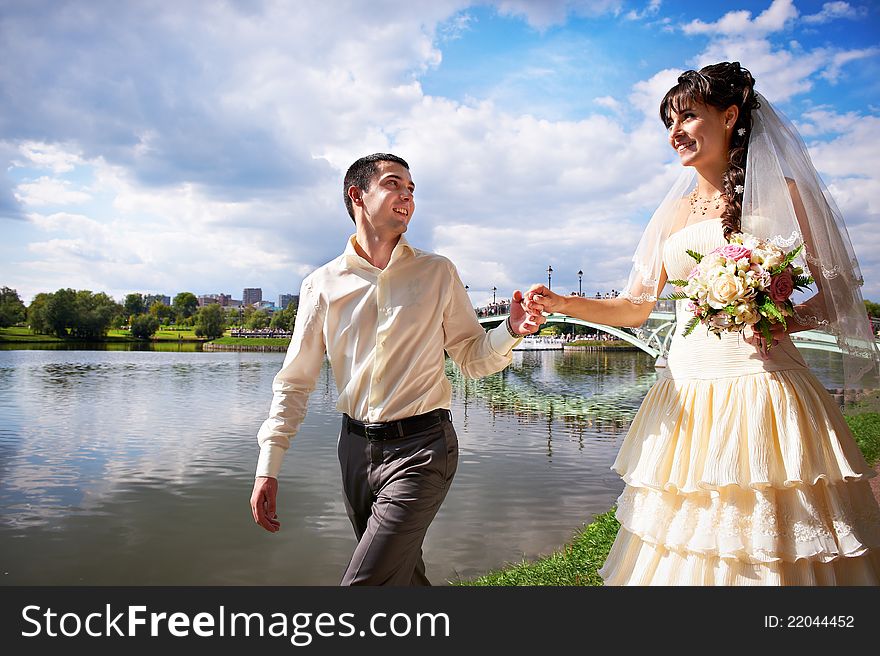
(781, 286)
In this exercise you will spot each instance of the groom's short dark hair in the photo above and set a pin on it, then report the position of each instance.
(362, 171)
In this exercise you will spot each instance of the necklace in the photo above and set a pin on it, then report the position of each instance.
(702, 204)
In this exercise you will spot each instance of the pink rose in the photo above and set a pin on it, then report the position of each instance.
(734, 252)
(781, 286)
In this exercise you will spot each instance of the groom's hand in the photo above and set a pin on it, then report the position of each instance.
(521, 320)
(263, 503)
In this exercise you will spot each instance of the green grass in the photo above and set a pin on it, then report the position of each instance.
(866, 429)
(162, 335)
(578, 562)
(16, 334)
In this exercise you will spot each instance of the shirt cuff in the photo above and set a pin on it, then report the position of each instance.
(269, 462)
(500, 340)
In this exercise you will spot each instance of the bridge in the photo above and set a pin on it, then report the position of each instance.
(653, 338)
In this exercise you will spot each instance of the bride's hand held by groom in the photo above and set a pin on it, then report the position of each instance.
(523, 320)
(540, 299)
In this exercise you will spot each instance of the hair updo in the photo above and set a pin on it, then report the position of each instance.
(720, 86)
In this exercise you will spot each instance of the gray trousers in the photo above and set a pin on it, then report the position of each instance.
(392, 490)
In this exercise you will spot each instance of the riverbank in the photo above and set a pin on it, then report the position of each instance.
(600, 345)
(579, 561)
(19, 335)
(279, 344)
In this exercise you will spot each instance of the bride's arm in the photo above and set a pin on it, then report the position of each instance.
(608, 311)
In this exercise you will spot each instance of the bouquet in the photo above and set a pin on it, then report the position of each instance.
(747, 282)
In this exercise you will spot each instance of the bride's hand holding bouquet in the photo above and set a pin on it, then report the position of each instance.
(746, 284)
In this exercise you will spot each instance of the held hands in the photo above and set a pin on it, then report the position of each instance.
(263, 503)
(523, 321)
(540, 299)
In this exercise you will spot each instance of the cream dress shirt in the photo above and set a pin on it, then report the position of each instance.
(384, 332)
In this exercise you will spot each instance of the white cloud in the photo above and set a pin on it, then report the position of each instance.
(607, 101)
(849, 164)
(651, 9)
(59, 158)
(833, 70)
(214, 163)
(834, 10)
(772, 19)
(822, 121)
(545, 13)
(50, 191)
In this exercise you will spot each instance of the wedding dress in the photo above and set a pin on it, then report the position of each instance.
(739, 469)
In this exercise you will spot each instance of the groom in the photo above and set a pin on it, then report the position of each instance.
(383, 312)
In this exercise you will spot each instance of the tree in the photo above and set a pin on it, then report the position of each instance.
(284, 319)
(36, 314)
(210, 321)
(134, 305)
(872, 308)
(258, 320)
(144, 326)
(185, 305)
(162, 312)
(92, 314)
(12, 310)
(80, 314)
(59, 312)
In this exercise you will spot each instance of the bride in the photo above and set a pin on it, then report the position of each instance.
(739, 466)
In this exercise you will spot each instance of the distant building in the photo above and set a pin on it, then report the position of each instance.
(224, 300)
(286, 299)
(149, 299)
(268, 306)
(251, 295)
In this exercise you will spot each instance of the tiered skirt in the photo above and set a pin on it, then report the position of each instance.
(745, 480)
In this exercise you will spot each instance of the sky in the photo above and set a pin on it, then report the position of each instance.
(200, 145)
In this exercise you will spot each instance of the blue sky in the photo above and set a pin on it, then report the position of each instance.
(200, 146)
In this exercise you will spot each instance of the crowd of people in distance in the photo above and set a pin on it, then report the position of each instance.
(259, 332)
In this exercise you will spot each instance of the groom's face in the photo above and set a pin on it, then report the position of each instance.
(388, 204)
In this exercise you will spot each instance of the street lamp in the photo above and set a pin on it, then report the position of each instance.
(549, 273)
(580, 277)
(493, 294)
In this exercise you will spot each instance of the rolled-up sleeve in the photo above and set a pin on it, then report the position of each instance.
(476, 351)
(294, 383)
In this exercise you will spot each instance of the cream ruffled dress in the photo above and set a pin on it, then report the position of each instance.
(740, 470)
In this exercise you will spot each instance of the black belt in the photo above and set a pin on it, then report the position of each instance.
(389, 430)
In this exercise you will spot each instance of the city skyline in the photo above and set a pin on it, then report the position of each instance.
(198, 145)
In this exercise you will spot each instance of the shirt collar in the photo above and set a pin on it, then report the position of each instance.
(400, 250)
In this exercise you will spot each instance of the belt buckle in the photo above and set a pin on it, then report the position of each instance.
(373, 432)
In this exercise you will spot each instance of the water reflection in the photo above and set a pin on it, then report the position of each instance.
(135, 467)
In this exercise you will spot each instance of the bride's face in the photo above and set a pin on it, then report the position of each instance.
(700, 136)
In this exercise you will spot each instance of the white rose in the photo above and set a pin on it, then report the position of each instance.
(772, 259)
(745, 314)
(724, 289)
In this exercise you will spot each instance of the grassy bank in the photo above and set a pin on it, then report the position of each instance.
(169, 334)
(578, 562)
(24, 335)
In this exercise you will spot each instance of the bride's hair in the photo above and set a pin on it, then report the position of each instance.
(720, 86)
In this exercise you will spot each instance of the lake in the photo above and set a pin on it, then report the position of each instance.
(123, 467)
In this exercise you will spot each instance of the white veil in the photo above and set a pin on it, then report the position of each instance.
(783, 200)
